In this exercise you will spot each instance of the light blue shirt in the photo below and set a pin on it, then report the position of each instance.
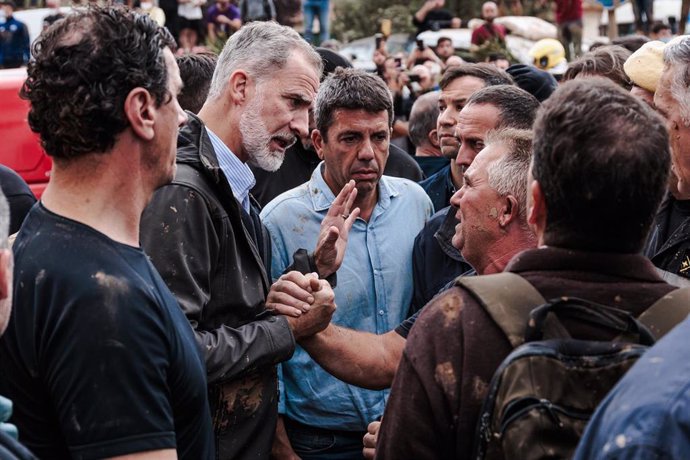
(239, 175)
(373, 293)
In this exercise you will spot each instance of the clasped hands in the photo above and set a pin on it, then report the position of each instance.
(307, 300)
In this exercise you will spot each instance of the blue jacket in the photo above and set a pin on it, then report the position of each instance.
(435, 262)
(440, 188)
(14, 43)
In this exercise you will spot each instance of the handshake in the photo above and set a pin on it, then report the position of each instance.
(306, 301)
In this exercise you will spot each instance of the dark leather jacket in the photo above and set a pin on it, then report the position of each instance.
(213, 257)
(669, 249)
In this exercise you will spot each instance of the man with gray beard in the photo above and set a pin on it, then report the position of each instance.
(204, 235)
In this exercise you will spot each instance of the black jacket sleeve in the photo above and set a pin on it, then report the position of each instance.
(181, 235)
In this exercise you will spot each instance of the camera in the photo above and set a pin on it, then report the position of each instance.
(420, 44)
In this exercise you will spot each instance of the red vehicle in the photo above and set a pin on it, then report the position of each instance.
(20, 148)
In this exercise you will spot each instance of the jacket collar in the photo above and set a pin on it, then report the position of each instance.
(446, 231)
(194, 147)
(633, 266)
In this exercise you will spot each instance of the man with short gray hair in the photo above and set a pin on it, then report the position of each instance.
(204, 235)
(354, 117)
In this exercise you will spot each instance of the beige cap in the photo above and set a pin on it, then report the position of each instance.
(645, 65)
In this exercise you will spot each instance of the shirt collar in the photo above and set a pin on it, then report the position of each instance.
(322, 197)
(237, 173)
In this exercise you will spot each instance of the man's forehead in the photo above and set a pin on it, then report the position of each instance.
(298, 70)
(487, 156)
(357, 119)
(478, 119)
(462, 87)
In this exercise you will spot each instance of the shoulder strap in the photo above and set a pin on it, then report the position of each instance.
(508, 298)
(667, 312)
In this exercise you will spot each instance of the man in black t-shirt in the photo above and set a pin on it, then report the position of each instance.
(98, 358)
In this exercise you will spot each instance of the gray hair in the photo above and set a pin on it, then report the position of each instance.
(508, 175)
(4, 221)
(260, 49)
(423, 118)
(351, 89)
(677, 60)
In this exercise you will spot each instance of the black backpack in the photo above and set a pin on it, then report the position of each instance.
(543, 394)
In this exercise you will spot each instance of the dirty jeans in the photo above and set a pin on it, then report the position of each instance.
(314, 8)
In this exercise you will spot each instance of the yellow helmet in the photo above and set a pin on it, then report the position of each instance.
(547, 53)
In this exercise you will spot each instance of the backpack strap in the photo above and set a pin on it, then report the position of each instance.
(508, 298)
(667, 312)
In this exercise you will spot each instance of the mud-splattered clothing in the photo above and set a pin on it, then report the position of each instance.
(455, 347)
(98, 358)
(213, 255)
(373, 293)
(646, 415)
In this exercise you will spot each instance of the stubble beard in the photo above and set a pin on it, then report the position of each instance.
(256, 139)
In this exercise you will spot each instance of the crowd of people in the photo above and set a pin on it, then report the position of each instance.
(236, 256)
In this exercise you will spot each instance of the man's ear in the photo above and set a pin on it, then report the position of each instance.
(238, 86)
(6, 266)
(433, 138)
(140, 110)
(510, 211)
(317, 140)
(536, 214)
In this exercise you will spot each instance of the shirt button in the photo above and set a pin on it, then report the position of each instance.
(381, 312)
